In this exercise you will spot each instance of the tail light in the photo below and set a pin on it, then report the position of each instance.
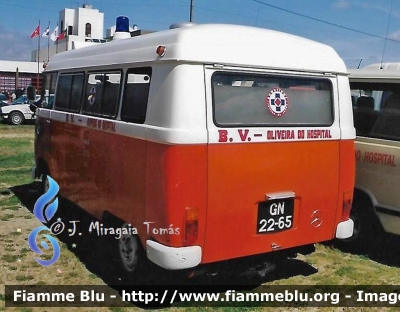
(161, 51)
(347, 200)
(191, 225)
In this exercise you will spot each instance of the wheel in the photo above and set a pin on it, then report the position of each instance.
(124, 260)
(45, 183)
(128, 247)
(127, 255)
(16, 118)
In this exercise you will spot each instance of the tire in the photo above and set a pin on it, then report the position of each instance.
(44, 184)
(128, 256)
(128, 248)
(16, 118)
(129, 252)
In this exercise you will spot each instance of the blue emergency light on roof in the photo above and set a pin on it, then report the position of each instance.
(122, 24)
(122, 28)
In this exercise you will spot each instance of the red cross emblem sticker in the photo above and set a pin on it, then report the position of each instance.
(277, 102)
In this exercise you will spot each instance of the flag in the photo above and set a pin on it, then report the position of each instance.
(62, 35)
(54, 34)
(36, 32)
(46, 32)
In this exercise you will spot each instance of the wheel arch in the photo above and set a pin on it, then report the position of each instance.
(112, 220)
(42, 167)
(18, 112)
(363, 193)
(363, 197)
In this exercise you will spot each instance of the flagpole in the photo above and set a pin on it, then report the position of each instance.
(57, 40)
(48, 44)
(37, 80)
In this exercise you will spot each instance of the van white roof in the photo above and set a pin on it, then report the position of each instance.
(210, 44)
(385, 72)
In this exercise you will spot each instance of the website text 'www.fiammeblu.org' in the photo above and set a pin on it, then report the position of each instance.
(234, 296)
(224, 296)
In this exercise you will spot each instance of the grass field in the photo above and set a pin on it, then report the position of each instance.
(326, 266)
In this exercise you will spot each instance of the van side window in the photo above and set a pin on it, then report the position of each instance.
(69, 92)
(102, 94)
(365, 116)
(256, 100)
(76, 92)
(377, 110)
(48, 90)
(136, 93)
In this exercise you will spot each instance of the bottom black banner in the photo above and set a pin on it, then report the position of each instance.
(202, 296)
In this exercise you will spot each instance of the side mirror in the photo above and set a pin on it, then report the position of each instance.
(32, 107)
(31, 93)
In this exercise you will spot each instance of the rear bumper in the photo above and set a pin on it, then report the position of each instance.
(345, 229)
(173, 258)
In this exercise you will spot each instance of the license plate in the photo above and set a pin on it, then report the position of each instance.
(275, 215)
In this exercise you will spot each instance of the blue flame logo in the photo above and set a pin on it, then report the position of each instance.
(35, 248)
(44, 209)
(42, 212)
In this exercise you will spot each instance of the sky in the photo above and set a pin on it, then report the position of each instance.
(366, 31)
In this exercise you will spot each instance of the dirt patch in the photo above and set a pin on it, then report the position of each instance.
(15, 168)
(16, 135)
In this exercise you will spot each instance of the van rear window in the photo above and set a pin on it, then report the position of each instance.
(260, 100)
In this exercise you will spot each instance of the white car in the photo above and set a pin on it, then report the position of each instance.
(18, 111)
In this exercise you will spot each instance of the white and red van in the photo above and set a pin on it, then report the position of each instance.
(208, 143)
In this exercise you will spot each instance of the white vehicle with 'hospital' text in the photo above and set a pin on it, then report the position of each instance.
(376, 102)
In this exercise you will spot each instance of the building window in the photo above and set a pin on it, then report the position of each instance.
(8, 82)
(88, 30)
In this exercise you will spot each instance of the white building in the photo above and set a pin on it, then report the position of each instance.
(81, 25)
(84, 25)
